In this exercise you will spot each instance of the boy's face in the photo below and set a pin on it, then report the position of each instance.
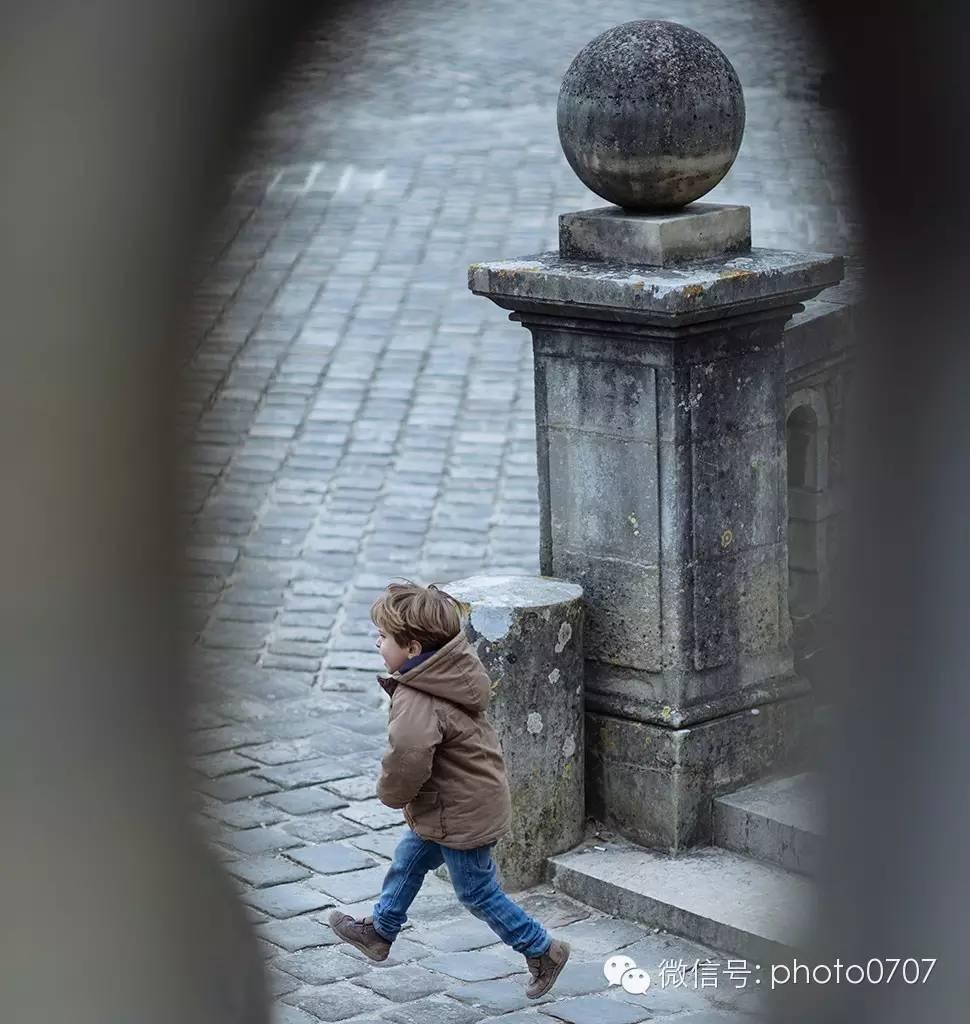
(393, 653)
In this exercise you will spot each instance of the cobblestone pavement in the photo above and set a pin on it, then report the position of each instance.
(351, 413)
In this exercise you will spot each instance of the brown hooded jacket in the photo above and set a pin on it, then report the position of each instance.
(444, 764)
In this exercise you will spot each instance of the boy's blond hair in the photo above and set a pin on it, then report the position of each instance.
(407, 611)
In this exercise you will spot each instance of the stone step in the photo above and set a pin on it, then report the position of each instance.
(716, 897)
(777, 820)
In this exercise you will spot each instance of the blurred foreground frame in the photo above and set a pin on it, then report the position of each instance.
(118, 122)
(895, 880)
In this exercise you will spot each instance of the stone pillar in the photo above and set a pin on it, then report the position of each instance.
(528, 631)
(660, 414)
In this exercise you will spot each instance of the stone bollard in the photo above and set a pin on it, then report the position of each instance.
(528, 631)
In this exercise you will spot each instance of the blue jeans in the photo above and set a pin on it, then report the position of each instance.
(473, 876)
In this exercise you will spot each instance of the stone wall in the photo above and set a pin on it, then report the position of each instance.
(819, 375)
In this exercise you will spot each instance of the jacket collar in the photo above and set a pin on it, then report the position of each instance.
(453, 672)
(389, 682)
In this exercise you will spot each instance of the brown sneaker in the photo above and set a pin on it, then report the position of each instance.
(545, 969)
(361, 934)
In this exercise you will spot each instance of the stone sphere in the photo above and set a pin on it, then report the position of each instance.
(651, 115)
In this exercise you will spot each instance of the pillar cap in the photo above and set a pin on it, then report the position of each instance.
(691, 292)
(505, 591)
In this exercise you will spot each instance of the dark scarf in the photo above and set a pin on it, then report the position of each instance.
(416, 660)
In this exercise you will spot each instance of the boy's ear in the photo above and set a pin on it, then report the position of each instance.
(411, 649)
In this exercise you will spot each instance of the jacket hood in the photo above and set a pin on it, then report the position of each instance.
(453, 673)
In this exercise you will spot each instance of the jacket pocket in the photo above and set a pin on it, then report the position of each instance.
(425, 814)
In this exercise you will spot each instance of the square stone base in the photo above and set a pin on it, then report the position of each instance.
(654, 785)
(696, 232)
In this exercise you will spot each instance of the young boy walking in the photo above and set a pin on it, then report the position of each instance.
(444, 767)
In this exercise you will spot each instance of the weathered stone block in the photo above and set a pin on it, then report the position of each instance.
(739, 493)
(693, 292)
(298, 933)
(352, 886)
(528, 631)
(619, 402)
(655, 785)
(332, 858)
(404, 983)
(623, 623)
(307, 800)
(320, 966)
(287, 900)
(603, 495)
(657, 239)
(266, 869)
(471, 966)
(738, 392)
(340, 1001)
(499, 996)
(737, 605)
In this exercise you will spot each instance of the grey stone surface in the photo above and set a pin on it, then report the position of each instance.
(371, 814)
(579, 978)
(382, 843)
(663, 999)
(359, 787)
(329, 858)
(434, 1010)
(283, 1014)
(657, 946)
(287, 900)
(693, 291)
(338, 1001)
(458, 936)
(471, 966)
(320, 966)
(352, 886)
(601, 936)
(709, 1016)
(587, 1009)
(247, 814)
(223, 762)
(715, 897)
(519, 1017)
(611, 233)
(438, 907)
(502, 995)
(307, 773)
(297, 933)
(651, 114)
(553, 909)
(528, 631)
(259, 840)
(280, 983)
(367, 722)
(321, 740)
(266, 869)
(405, 983)
(238, 787)
(777, 820)
(323, 828)
(307, 800)
(661, 798)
